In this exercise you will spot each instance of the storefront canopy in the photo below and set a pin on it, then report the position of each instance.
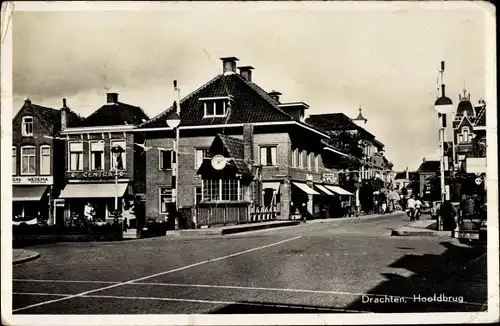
(101, 190)
(339, 191)
(271, 185)
(305, 188)
(326, 191)
(28, 193)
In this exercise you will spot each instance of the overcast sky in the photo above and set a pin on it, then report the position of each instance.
(334, 60)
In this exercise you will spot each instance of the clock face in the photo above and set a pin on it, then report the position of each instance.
(218, 162)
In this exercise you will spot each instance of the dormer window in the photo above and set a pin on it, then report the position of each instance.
(27, 126)
(215, 107)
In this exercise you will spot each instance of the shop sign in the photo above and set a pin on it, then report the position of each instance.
(35, 180)
(96, 174)
(59, 202)
(332, 178)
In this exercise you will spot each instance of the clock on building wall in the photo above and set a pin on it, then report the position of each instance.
(219, 162)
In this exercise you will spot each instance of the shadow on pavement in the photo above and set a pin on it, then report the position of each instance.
(454, 281)
(252, 307)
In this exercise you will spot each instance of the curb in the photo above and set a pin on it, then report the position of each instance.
(231, 230)
(31, 257)
(361, 217)
(415, 233)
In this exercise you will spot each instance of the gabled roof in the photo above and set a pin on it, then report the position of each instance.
(336, 122)
(250, 104)
(233, 146)
(429, 166)
(113, 114)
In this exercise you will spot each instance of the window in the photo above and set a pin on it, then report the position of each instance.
(165, 198)
(460, 138)
(199, 156)
(316, 163)
(304, 159)
(198, 195)
(27, 127)
(295, 157)
(45, 159)
(14, 162)
(76, 156)
(222, 189)
(268, 155)
(119, 160)
(310, 159)
(97, 156)
(215, 108)
(165, 159)
(465, 133)
(28, 160)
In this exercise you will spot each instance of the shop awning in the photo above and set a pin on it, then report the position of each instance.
(339, 191)
(271, 185)
(101, 190)
(326, 191)
(305, 188)
(28, 193)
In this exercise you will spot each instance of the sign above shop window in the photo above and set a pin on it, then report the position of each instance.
(35, 180)
(96, 174)
(332, 178)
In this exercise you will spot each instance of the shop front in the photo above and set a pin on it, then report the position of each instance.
(31, 199)
(96, 197)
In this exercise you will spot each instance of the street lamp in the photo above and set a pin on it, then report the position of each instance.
(443, 106)
(117, 151)
(173, 120)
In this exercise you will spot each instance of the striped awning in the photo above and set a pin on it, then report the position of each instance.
(305, 188)
(89, 190)
(339, 191)
(28, 193)
(326, 191)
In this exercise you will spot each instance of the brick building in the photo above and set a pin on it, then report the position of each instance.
(233, 117)
(37, 170)
(93, 173)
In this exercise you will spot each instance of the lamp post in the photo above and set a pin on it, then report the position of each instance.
(173, 120)
(443, 106)
(117, 150)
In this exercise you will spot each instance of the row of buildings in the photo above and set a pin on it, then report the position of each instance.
(465, 164)
(242, 155)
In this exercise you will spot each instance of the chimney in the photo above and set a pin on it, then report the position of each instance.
(246, 72)
(248, 144)
(275, 95)
(229, 65)
(27, 101)
(407, 175)
(112, 98)
(64, 115)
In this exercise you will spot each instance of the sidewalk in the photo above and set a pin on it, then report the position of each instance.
(420, 228)
(20, 256)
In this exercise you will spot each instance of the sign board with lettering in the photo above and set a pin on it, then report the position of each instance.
(332, 178)
(34, 180)
(96, 175)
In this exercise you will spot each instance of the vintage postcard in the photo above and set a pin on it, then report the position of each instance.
(249, 163)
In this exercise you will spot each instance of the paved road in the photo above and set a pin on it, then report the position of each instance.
(339, 266)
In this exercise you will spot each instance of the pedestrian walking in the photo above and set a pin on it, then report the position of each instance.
(411, 206)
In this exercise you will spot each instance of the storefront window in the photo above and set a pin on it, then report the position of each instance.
(76, 156)
(45, 159)
(97, 156)
(28, 160)
(165, 199)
